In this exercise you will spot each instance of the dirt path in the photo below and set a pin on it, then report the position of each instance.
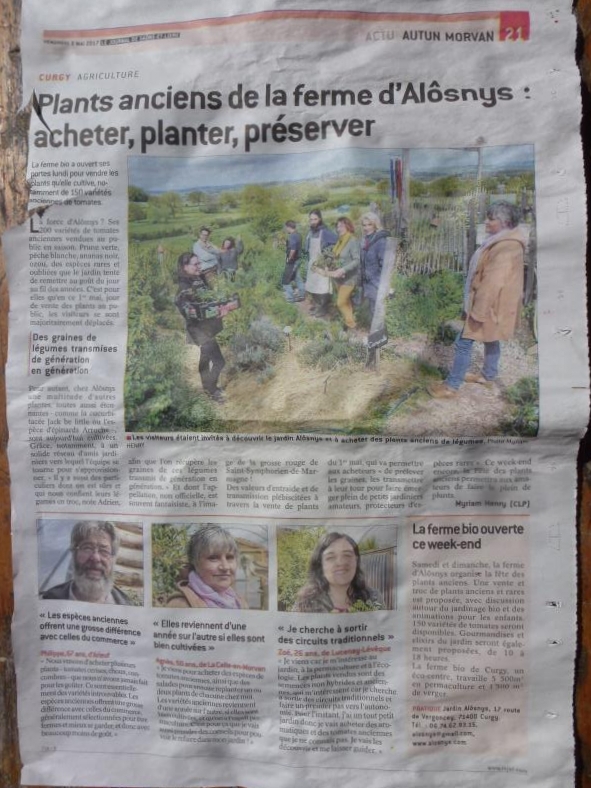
(477, 410)
(474, 412)
(392, 400)
(302, 398)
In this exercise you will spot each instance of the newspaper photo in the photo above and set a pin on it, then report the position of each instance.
(297, 373)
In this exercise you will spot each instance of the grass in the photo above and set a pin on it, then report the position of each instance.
(323, 386)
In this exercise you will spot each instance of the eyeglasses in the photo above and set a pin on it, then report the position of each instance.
(87, 550)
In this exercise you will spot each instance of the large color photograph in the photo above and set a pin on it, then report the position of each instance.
(347, 292)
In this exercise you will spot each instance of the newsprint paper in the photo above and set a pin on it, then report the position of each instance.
(297, 373)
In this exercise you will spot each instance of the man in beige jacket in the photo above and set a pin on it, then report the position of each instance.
(492, 299)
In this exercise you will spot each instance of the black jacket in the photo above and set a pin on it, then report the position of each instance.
(200, 331)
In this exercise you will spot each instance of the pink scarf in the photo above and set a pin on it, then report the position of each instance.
(212, 598)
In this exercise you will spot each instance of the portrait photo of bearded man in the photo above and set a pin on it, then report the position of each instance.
(94, 545)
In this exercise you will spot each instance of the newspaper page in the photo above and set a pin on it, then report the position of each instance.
(297, 371)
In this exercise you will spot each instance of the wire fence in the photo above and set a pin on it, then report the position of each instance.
(379, 570)
(443, 232)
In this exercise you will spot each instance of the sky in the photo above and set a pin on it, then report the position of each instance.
(159, 173)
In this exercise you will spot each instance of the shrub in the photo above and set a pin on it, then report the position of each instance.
(267, 207)
(265, 334)
(137, 213)
(266, 375)
(169, 553)
(327, 353)
(254, 350)
(294, 549)
(421, 303)
(314, 198)
(525, 412)
(154, 233)
(135, 194)
(158, 396)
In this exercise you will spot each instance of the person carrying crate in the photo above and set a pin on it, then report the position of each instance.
(194, 301)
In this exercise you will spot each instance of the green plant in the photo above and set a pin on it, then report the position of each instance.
(135, 194)
(158, 396)
(169, 553)
(447, 333)
(267, 207)
(362, 607)
(328, 353)
(254, 350)
(314, 197)
(524, 417)
(422, 303)
(294, 549)
(154, 231)
(266, 375)
(137, 212)
(367, 544)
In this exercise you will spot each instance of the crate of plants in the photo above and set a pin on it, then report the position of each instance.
(202, 304)
(217, 307)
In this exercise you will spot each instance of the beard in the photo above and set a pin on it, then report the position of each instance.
(91, 589)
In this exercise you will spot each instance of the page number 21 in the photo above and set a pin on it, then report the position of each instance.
(513, 34)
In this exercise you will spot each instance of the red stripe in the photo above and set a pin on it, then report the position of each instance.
(506, 20)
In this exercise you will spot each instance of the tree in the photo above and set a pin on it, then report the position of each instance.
(173, 202)
(525, 180)
(448, 186)
(228, 201)
(136, 194)
(164, 207)
(157, 210)
(294, 549)
(210, 203)
(314, 197)
(136, 212)
(195, 198)
(266, 207)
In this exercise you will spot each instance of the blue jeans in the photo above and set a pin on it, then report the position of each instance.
(299, 283)
(463, 358)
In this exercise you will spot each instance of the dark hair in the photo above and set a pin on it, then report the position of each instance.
(506, 213)
(232, 241)
(182, 277)
(317, 585)
(207, 230)
(317, 213)
(347, 222)
(290, 224)
(184, 260)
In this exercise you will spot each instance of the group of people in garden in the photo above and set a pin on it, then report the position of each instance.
(493, 287)
(328, 262)
(337, 262)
